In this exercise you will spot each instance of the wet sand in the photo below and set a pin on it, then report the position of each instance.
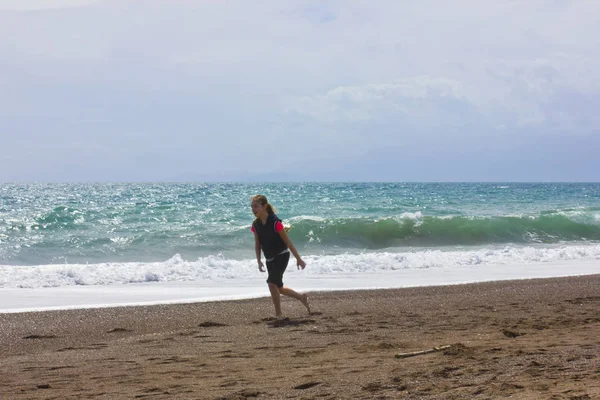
(529, 339)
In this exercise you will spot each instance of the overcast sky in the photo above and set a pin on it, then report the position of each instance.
(155, 90)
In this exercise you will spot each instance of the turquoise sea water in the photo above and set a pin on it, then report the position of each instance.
(206, 226)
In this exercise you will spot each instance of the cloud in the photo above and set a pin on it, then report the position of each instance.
(176, 79)
(416, 101)
(536, 92)
(36, 5)
(518, 93)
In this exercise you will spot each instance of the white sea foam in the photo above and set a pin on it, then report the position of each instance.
(69, 297)
(220, 268)
(307, 218)
(414, 216)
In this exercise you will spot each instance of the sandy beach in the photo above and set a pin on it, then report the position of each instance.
(526, 339)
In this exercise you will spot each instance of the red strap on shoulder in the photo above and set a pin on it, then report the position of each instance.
(278, 226)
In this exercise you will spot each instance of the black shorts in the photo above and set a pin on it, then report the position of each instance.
(276, 268)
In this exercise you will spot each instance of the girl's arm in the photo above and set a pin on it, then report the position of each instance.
(290, 245)
(257, 250)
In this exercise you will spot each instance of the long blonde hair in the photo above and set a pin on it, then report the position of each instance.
(262, 199)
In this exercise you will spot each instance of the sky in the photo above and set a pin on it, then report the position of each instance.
(211, 90)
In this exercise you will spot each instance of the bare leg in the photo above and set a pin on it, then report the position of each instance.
(299, 296)
(276, 298)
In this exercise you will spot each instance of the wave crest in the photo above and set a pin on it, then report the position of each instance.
(221, 269)
(418, 230)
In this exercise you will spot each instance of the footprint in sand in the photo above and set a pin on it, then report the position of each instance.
(511, 334)
(290, 322)
(210, 324)
(39, 337)
(244, 394)
(307, 385)
(116, 330)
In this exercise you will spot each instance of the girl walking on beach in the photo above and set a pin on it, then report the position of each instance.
(271, 237)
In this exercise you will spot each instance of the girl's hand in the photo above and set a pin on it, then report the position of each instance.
(261, 266)
(300, 263)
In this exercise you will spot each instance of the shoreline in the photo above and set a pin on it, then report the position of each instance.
(529, 338)
(181, 292)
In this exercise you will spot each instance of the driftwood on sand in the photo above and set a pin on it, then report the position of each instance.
(421, 352)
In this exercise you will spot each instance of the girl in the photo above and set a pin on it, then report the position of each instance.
(272, 238)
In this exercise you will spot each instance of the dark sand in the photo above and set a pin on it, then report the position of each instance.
(530, 339)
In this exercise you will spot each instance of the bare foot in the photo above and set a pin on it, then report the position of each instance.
(304, 301)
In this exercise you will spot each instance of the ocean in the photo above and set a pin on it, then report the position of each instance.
(169, 242)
